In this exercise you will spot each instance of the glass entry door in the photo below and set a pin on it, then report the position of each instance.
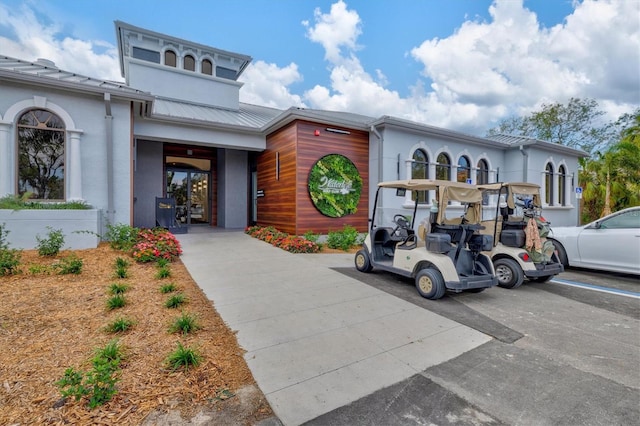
(190, 189)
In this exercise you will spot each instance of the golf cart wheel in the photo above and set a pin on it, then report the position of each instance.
(509, 273)
(430, 283)
(543, 279)
(363, 264)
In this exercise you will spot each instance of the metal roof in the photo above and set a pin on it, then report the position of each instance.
(247, 116)
(45, 72)
(516, 140)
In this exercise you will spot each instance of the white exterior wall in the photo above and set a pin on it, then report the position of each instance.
(169, 132)
(179, 84)
(505, 165)
(84, 118)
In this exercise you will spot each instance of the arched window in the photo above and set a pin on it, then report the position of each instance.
(207, 67)
(170, 58)
(420, 170)
(443, 168)
(548, 184)
(562, 181)
(41, 136)
(464, 169)
(482, 174)
(189, 63)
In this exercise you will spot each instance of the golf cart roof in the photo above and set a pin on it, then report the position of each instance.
(454, 190)
(423, 184)
(514, 187)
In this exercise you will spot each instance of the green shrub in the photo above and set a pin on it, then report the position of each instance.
(122, 263)
(121, 237)
(112, 352)
(70, 264)
(10, 261)
(168, 288)
(309, 235)
(184, 324)
(98, 384)
(117, 288)
(15, 202)
(116, 301)
(9, 258)
(162, 262)
(121, 272)
(183, 358)
(163, 272)
(344, 239)
(120, 325)
(39, 269)
(51, 244)
(175, 301)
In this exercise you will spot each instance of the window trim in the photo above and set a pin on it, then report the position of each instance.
(62, 155)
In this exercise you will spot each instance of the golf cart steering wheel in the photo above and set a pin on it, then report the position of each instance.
(401, 222)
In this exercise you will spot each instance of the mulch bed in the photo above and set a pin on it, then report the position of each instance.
(51, 322)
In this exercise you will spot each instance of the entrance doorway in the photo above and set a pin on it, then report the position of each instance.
(190, 189)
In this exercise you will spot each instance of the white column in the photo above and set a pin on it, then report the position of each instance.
(74, 167)
(6, 160)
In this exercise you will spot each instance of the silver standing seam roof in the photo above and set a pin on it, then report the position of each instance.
(44, 72)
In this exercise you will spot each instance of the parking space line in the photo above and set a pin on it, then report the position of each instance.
(619, 292)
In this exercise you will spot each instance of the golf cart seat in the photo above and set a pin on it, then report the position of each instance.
(384, 243)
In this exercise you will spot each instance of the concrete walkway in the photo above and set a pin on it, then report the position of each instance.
(316, 339)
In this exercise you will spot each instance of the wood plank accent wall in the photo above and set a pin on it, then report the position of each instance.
(354, 146)
(287, 204)
(211, 154)
(278, 206)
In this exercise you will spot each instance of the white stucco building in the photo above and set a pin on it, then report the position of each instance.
(176, 129)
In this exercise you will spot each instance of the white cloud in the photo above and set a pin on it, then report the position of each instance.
(266, 84)
(487, 71)
(483, 72)
(34, 39)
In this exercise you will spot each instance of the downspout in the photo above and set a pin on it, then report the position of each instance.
(525, 163)
(380, 140)
(108, 119)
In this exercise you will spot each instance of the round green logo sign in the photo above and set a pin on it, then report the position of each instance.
(335, 186)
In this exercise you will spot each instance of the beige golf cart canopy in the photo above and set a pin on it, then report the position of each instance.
(446, 190)
(523, 188)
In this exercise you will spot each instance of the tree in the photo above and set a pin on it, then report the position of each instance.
(611, 178)
(578, 124)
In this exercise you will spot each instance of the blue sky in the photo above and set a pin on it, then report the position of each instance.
(459, 64)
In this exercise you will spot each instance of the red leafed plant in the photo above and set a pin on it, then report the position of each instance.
(154, 244)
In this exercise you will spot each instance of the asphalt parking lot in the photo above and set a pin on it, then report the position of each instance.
(563, 354)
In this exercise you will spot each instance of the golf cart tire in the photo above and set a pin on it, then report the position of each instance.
(509, 273)
(430, 283)
(362, 261)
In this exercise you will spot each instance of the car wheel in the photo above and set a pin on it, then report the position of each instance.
(430, 284)
(509, 273)
(363, 264)
(562, 253)
(543, 279)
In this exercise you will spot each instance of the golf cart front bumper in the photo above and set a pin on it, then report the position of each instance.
(544, 270)
(472, 282)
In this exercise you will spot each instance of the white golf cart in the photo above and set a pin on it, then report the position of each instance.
(448, 256)
(519, 232)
